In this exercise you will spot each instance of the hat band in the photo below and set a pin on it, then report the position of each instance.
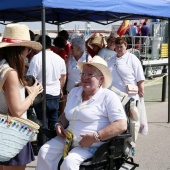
(9, 40)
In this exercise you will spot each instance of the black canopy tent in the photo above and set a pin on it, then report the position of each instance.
(63, 16)
(103, 12)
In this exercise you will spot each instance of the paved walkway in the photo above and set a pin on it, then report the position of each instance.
(153, 150)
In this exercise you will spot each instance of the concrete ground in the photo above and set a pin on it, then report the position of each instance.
(152, 150)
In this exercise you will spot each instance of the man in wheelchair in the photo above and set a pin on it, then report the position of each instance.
(93, 114)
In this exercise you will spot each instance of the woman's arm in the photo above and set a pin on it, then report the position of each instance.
(11, 87)
(61, 125)
(63, 120)
(141, 88)
(113, 129)
(62, 80)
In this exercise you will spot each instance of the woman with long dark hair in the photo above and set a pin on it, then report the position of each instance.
(15, 46)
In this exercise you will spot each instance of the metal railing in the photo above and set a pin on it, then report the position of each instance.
(144, 47)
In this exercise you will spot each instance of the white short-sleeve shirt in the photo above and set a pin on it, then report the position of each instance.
(129, 68)
(99, 111)
(55, 67)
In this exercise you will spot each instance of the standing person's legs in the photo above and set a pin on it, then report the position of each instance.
(50, 154)
(53, 108)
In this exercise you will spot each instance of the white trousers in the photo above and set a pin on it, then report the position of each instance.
(52, 151)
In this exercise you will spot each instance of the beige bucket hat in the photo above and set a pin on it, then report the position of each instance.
(101, 65)
(18, 35)
(98, 40)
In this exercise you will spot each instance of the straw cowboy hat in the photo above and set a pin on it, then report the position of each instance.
(18, 35)
(101, 65)
(98, 40)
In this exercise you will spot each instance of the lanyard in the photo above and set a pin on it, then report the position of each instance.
(74, 115)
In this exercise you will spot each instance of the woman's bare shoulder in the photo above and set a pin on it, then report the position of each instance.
(12, 76)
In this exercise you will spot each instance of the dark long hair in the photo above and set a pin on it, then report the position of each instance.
(13, 56)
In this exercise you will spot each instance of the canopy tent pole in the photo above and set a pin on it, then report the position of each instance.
(168, 71)
(43, 68)
(58, 24)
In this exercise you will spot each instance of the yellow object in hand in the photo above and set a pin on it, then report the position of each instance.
(68, 142)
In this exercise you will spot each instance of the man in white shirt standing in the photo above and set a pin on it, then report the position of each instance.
(55, 80)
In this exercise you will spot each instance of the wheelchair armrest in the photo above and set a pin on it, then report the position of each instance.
(123, 136)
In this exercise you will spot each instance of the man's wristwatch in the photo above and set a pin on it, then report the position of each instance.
(97, 136)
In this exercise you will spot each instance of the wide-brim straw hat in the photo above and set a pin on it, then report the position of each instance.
(98, 40)
(18, 35)
(101, 65)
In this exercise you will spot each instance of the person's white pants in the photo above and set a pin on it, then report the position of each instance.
(52, 151)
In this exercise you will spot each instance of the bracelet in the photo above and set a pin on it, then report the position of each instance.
(97, 137)
(59, 123)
